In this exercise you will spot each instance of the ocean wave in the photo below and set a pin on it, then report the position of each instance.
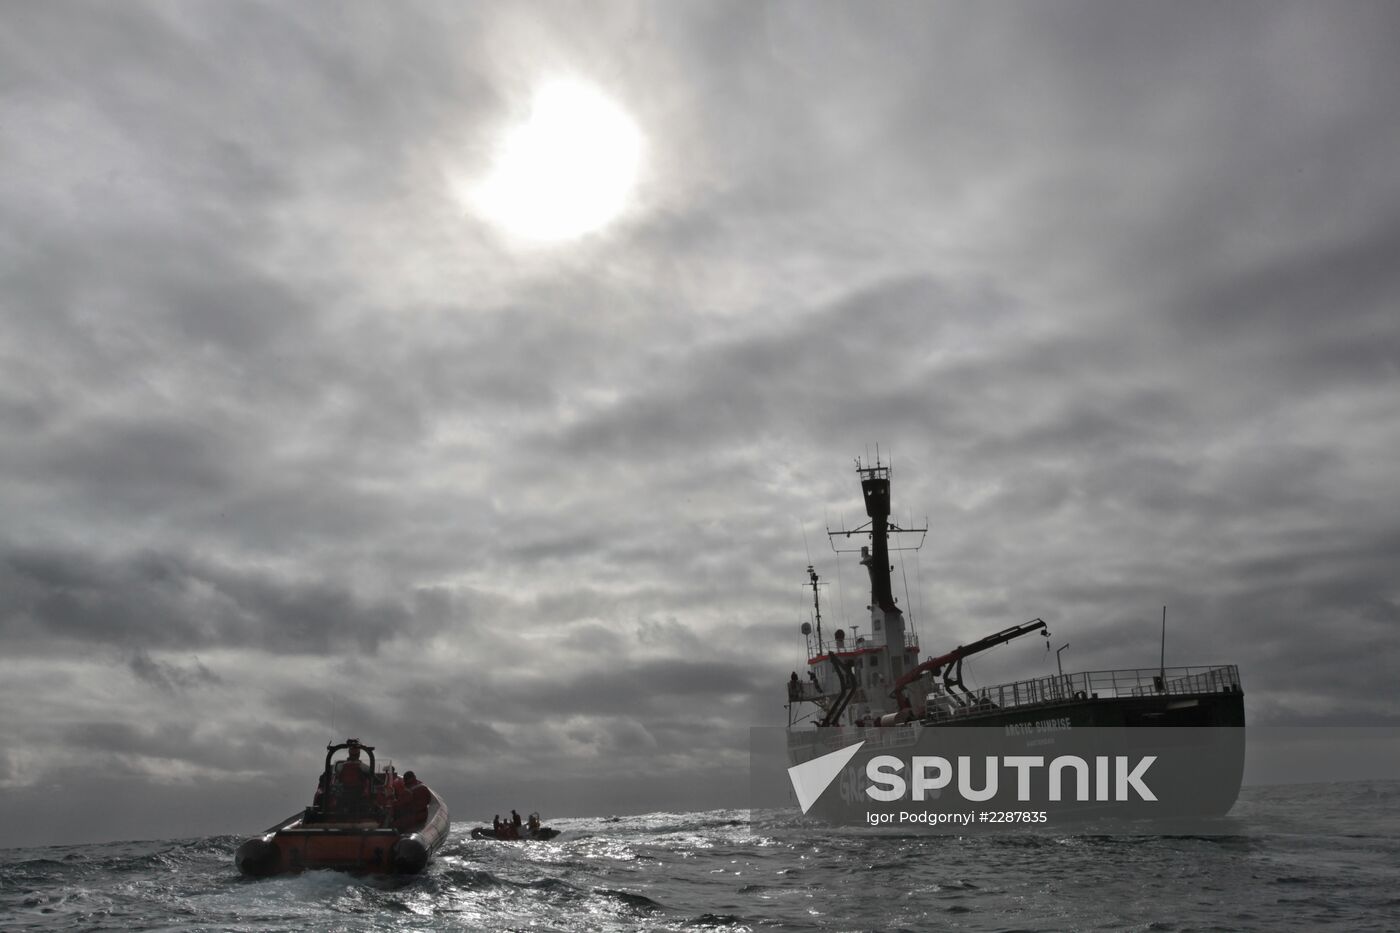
(684, 872)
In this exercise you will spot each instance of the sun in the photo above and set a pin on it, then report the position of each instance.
(567, 170)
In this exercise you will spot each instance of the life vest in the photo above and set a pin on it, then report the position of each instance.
(413, 810)
(351, 790)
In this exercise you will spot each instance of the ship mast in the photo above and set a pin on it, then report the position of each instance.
(860, 670)
(816, 603)
(875, 484)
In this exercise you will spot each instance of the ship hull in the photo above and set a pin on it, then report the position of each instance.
(1197, 743)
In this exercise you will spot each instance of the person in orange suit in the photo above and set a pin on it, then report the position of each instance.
(415, 813)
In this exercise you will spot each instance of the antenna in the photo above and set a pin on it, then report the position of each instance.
(816, 601)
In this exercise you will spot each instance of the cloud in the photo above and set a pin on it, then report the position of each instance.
(170, 601)
(171, 678)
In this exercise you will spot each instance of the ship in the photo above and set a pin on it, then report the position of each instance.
(879, 689)
(361, 820)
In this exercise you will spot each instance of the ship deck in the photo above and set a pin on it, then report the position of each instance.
(1063, 688)
(1092, 685)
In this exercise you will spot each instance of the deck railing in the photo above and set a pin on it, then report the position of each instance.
(1142, 681)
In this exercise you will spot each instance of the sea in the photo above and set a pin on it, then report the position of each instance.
(1290, 857)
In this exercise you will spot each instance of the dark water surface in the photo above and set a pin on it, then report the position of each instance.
(1304, 857)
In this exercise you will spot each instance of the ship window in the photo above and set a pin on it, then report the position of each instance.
(877, 624)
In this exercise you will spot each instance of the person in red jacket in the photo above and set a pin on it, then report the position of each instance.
(353, 772)
(414, 813)
(350, 791)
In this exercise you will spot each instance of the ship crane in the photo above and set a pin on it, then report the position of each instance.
(950, 665)
(847, 677)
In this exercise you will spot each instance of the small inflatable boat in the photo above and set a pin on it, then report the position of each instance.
(361, 821)
(509, 832)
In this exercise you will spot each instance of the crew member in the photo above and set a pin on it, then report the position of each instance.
(354, 774)
(351, 784)
(415, 814)
(352, 768)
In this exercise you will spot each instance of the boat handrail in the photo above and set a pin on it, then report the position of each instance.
(1129, 682)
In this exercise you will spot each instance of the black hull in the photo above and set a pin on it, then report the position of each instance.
(1209, 709)
(1197, 742)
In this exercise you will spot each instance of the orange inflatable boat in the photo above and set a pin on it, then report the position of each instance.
(362, 820)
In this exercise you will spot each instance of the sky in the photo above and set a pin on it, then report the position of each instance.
(301, 438)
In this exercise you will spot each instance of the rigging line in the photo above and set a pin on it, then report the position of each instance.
(841, 593)
(909, 603)
(800, 620)
(919, 583)
(971, 674)
(803, 613)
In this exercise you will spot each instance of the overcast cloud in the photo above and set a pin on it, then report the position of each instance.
(297, 446)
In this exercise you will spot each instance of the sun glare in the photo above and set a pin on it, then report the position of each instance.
(565, 171)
